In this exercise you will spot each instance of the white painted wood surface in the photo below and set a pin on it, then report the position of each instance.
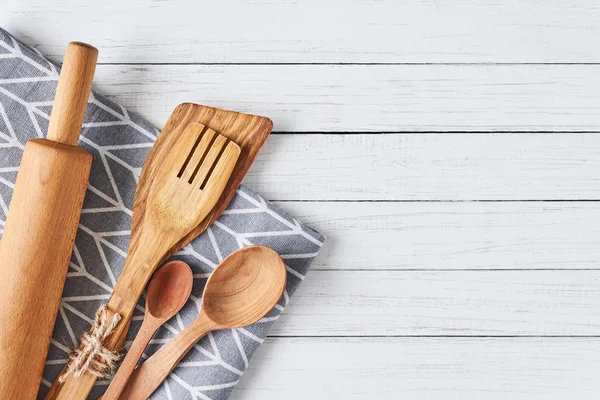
(371, 98)
(458, 303)
(331, 31)
(465, 167)
(462, 259)
(423, 368)
(454, 235)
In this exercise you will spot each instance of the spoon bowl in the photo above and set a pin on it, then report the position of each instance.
(244, 287)
(169, 290)
(240, 291)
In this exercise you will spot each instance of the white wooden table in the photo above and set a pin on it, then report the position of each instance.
(450, 151)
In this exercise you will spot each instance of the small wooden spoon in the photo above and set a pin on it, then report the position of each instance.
(167, 293)
(240, 291)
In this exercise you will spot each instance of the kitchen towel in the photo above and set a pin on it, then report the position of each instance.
(119, 142)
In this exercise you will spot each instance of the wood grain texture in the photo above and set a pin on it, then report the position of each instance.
(399, 268)
(167, 293)
(243, 288)
(158, 229)
(39, 232)
(458, 303)
(447, 167)
(35, 250)
(72, 93)
(249, 132)
(371, 98)
(423, 368)
(312, 31)
(453, 236)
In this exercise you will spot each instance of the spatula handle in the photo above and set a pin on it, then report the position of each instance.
(72, 93)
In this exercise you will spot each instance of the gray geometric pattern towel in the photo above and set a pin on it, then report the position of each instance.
(119, 142)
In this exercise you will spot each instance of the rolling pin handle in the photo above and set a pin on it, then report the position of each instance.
(72, 93)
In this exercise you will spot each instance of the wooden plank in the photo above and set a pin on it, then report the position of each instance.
(463, 303)
(428, 167)
(311, 31)
(454, 236)
(370, 98)
(423, 368)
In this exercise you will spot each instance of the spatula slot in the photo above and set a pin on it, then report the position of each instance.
(214, 165)
(192, 151)
(203, 158)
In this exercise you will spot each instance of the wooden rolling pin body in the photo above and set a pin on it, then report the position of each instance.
(40, 229)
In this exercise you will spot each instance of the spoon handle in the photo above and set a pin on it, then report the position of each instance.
(149, 326)
(148, 376)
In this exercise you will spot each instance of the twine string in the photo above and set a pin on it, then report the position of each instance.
(91, 355)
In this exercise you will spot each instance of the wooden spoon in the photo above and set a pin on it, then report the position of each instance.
(167, 293)
(240, 291)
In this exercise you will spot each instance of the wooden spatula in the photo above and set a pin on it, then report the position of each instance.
(185, 189)
(190, 176)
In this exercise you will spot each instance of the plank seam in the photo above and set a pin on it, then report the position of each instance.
(449, 269)
(434, 336)
(452, 64)
(334, 133)
(440, 201)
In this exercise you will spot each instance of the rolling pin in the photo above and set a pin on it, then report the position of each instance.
(40, 229)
